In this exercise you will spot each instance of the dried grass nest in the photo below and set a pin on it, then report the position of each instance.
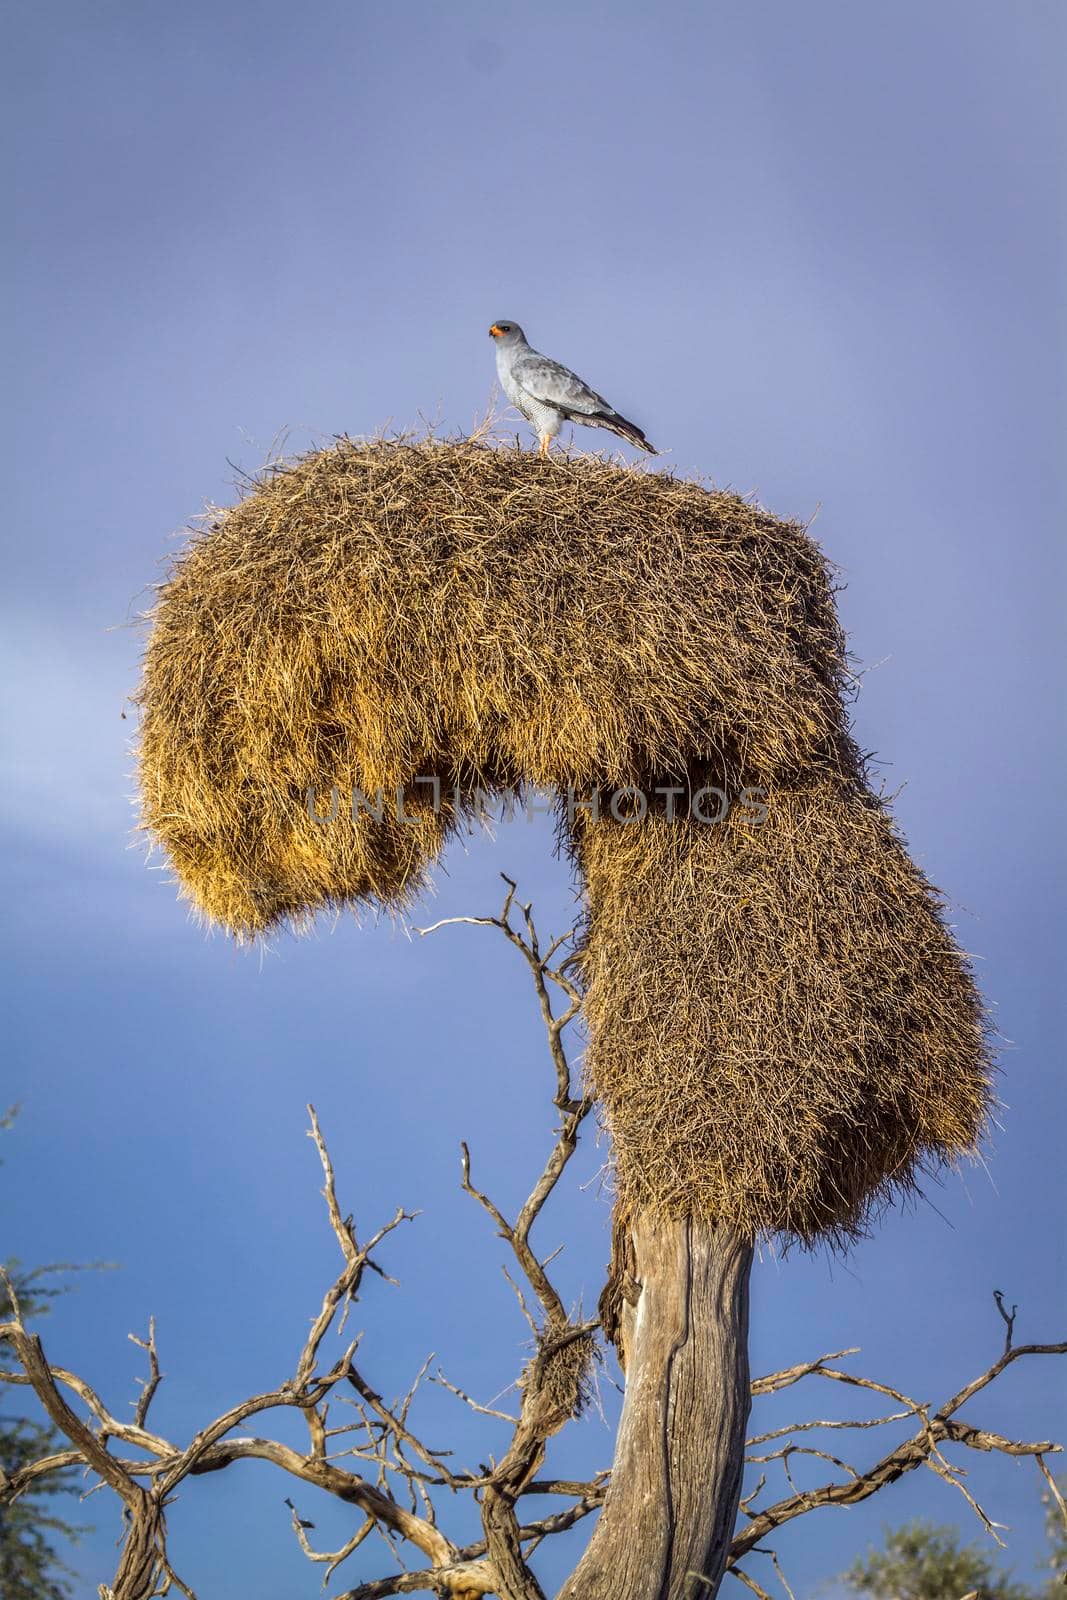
(782, 1030)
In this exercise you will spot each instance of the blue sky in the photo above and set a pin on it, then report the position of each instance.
(817, 252)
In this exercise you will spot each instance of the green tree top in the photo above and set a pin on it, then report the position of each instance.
(924, 1562)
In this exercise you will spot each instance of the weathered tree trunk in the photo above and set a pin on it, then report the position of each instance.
(665, 1530)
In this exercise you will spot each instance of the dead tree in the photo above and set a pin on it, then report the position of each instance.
(675, 1307)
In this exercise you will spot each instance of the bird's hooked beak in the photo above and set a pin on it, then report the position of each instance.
(496, 331)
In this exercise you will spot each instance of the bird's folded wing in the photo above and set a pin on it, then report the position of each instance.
(554, 385)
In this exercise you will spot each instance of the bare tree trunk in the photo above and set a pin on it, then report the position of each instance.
(665, 1530)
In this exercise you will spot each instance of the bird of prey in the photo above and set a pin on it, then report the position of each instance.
(549, 395)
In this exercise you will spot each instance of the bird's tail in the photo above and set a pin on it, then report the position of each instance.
(630, 431)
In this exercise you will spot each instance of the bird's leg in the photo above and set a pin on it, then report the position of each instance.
(546, 440)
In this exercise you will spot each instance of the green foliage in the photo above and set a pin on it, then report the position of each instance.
(1056, 1531)
(30, 1569)
(29, 1566)
(924, 1562)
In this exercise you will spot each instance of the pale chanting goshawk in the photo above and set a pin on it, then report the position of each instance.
(549, 395)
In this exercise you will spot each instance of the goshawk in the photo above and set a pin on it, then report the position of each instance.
(549, 395)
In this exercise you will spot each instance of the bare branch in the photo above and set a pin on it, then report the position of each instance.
(749, 1582)
(151, 1384)
(1008, 1317)
(402, 1467)
(790, 1375)
(920, 1450)
(1054, 1488)
(487, 1411)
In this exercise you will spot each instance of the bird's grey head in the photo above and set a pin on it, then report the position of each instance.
(507, 333)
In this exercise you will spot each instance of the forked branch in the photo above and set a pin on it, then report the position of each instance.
(399, 1493)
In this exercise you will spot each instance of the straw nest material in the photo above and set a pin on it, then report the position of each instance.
(781, 1027)
(808, 1033)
